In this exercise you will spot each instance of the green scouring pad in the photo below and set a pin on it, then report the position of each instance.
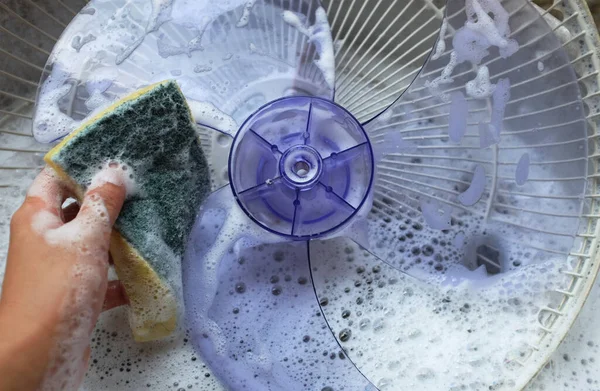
(150, 132)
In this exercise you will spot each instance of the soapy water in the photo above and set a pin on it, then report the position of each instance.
(266, 349)
(480, 330)
(183, 40)
(116, 360)
(371, 326)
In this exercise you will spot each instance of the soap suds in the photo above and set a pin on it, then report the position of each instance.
(78, 41)
(96, 100)
(445, 77)
(470, 46)
(220, 228)
(320, 35)
(384, 333)
(245, 18)
(202, 68)
(440, 47)
(480, 87)
(167, 49)
(50, 122)
(471, 43)
(118, 174)
(495, 30)
(205, 113)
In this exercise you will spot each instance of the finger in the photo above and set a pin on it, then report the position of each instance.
(49, 188)
(44, 199)
(115, 296)
(104, 199)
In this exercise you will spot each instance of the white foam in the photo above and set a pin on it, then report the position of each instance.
(96, 101)
(80, 307)
(294, 20)
(396, 349)
(44, 220)
(480, 87)
(118, 174)
(320, 35)
(45, 184)
(100, 80)
(445, 77)
(78, 41)
(470, 196)
(494, 30)
(245, 18)
(202, 68)
(50, 123)
(471, 43)
(161, 10)
(470, 46)
(457, 120)
(227, 227)
(205, 113)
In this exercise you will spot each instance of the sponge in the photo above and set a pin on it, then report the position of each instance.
(151, 133)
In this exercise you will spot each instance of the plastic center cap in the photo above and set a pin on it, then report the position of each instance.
(301, 167)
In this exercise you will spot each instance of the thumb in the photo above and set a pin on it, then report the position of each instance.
(104, 199)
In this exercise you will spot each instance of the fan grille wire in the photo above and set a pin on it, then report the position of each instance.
(574, 24)
(374, 66)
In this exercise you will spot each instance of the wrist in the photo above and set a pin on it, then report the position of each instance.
(24, 353)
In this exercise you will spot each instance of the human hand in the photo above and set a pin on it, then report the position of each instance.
(55, 285)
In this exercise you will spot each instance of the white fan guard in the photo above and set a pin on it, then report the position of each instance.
(30, 28)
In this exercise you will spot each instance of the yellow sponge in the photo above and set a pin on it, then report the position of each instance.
(152, 132)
